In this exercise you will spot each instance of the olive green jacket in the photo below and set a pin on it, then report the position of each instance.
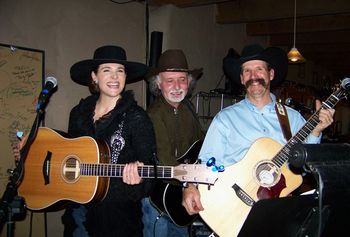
(176, 129)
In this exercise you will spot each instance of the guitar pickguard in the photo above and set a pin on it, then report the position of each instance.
(272, 192)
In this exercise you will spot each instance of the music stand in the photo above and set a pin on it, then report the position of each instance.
(289, 216)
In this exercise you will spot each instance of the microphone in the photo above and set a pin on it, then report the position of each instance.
(50, 84)
(346, 84)
(297, 105)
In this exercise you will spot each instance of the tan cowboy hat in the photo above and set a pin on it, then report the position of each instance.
(275, 57)
(174, 60)
(81, 71)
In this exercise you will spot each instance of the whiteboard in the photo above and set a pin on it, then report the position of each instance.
(22, 78)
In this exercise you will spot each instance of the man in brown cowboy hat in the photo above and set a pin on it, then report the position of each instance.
(176, 127)
(235, 128)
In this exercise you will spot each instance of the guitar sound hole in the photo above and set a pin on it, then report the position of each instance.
(71, 169)
(267, 174)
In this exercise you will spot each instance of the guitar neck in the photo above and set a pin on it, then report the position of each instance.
(284, 154)
(191, 173)
(116, 170)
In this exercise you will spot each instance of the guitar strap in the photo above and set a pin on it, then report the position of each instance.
(283, 119)
(155, 163)
(189, 105)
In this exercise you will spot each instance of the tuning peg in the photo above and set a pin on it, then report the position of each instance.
(220, 168)
(211, 163)
(209, 185)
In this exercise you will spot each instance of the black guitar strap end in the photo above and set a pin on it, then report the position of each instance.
(155, 164)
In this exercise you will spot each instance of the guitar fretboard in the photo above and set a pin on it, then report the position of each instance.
(284, 154)
(116, 170)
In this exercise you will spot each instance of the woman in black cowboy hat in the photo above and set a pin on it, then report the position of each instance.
(112, 114)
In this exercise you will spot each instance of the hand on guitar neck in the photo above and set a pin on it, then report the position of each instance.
(18, 146)
(325, 118)
(130, 173)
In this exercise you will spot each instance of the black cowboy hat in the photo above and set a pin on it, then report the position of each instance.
(275, 57)
(174, 60)
(80, 72)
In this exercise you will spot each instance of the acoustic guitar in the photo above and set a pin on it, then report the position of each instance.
(76, 169)
(261, 174)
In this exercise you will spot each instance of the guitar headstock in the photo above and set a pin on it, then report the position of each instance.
(195, 173)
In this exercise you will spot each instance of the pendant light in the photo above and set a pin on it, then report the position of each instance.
(294, 56)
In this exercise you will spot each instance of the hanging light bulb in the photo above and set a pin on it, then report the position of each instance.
(294, 56)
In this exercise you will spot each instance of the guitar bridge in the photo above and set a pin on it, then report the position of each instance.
(243, 195)
(46, 167)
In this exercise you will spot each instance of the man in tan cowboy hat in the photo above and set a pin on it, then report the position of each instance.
(235, 128)
(176, 127)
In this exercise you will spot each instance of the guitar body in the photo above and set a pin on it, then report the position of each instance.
(224, 212)
(167, 197)
(51, 170)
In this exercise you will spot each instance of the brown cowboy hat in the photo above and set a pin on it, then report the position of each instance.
(174, 60)
(275, 57)
(80, 72)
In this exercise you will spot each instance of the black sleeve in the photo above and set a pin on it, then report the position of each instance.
(77, 125)
(143, 149)
(72, 124)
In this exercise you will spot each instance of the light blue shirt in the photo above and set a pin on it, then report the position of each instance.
(235, 128)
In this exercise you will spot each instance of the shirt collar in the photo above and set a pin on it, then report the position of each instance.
(270, 106)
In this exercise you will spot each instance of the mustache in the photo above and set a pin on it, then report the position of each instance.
(258, 80)
(176, 90)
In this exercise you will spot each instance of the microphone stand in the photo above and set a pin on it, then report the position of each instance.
(11, 203)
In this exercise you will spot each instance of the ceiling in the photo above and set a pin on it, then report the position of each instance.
(322, 26)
